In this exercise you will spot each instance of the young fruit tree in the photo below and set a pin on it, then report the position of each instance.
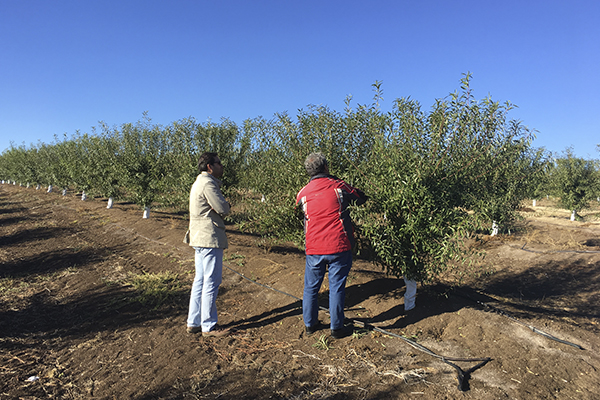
(427, 175)
(575, 181)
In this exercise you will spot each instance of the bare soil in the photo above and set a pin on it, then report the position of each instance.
(73, 325)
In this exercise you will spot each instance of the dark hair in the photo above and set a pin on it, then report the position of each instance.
(315, 164)
(205, 160)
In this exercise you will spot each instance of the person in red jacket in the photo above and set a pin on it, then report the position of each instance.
(329, 241)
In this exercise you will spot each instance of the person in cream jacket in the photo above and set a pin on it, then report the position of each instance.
(207, 236)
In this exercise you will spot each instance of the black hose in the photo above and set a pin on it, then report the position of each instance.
(532, 328)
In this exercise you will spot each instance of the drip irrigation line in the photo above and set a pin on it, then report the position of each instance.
(462, 375)
(556, 251)
(532, 328)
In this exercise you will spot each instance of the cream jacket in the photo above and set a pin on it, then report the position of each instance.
(207, 209)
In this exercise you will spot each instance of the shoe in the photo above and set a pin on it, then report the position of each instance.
(312, 329)
(342, 332)
(194, 329)
(217, 331)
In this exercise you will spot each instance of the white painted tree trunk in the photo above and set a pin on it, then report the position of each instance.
(146, 213)
(49, 188)
(573, 215)
(64, 192)
(110, 203)
(411, 294)
(495, 228)
(83, 196)
(28, 185)
(38, 186)
(534, 202)
(262, 200)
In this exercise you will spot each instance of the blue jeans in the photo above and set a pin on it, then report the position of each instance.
(339, 266)
(203, 299)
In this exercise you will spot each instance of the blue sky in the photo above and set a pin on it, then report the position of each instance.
(66, 65)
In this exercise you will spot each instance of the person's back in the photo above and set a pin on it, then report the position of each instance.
(327, 224)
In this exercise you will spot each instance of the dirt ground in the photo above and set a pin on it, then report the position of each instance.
(76, 323)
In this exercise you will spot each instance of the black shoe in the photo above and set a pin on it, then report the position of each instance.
(312, 329)
(342, 332)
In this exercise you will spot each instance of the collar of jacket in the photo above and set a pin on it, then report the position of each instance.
(205, 173)
(321, 176)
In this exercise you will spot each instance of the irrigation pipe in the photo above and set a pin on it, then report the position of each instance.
(556, 251)
(532, 328)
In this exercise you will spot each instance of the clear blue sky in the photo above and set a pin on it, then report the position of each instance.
(66, 65)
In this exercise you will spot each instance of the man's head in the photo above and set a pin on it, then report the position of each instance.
(210, 163)
(315, 164)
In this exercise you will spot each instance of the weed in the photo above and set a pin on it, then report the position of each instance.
(322, 343)
(414, 337)
(358, 333)
(238, 259)
(153, 289)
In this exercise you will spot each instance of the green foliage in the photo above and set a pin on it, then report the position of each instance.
(142, 160)
(575, 181)
(188, 140)
(433, 177)
(106, 154)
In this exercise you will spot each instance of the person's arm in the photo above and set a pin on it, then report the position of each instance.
(215, 198)
(355, 196)
(361, 197)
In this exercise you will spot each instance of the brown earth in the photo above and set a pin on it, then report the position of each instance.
(73, 325)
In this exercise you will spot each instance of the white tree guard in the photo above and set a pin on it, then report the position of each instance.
(83, 196)
(411, 294)
(573, 215)
(64, 191)
(110, 202)
(146, 213)
(49, 188)
(495, 228)
(38, 186)
(534, 202)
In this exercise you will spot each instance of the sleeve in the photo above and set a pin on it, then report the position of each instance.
(215, 198)
(355, 195)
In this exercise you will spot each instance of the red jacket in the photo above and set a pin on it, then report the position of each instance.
(327, 222)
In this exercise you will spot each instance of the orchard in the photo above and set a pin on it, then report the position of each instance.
(434, 177)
